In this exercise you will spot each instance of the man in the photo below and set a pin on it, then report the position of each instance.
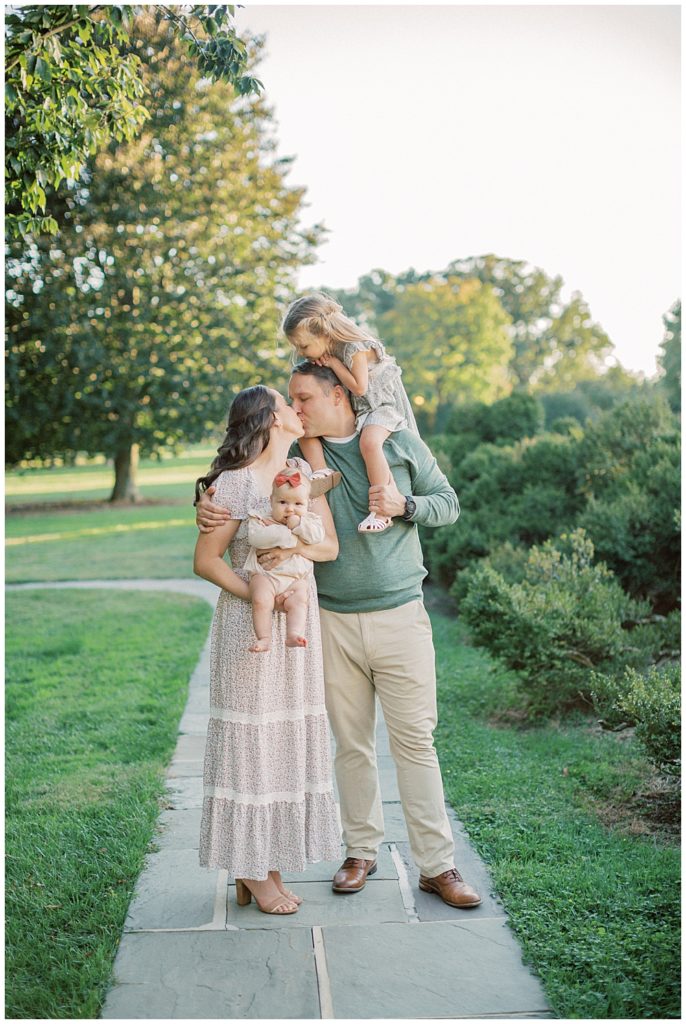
(376, 637)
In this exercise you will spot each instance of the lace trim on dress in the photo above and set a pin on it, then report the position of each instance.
(262, 799)
(243, 718)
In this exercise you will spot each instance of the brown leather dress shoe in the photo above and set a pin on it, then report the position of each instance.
(352, 874)
(452, 889)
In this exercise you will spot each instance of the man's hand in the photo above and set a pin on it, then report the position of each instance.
(386, 499)
(208, 515)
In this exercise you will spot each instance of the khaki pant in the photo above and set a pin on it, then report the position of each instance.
(389, 653)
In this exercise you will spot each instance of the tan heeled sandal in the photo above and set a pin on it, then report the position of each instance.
(293, 897)
(244, 896)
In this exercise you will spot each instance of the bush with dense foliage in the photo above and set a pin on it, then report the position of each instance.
(629, 469)
(473, 423)
(652, 702)
(618, 478)
(519, 494)
(565, 620)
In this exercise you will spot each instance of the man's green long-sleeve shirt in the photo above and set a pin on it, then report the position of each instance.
(384, 570)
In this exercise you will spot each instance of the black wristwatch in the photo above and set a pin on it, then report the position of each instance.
(410, 508)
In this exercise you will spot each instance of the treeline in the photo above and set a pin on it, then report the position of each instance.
(479, 329)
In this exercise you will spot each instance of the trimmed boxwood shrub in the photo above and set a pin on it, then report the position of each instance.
(565, 620)
(652, 702)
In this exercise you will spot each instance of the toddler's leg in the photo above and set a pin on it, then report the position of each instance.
(262, 598)
(312, 450)
(371, 449)
(295, 607)
(378, 471)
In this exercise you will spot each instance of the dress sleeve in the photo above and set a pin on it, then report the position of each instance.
(350, 349)
(233, 491)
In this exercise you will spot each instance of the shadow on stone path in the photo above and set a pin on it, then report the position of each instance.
(391, 951)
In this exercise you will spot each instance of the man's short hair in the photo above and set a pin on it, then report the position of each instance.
(324, 374)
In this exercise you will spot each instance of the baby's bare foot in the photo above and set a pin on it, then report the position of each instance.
(296, 641)
(260, 646)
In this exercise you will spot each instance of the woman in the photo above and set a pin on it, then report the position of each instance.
(268, 798)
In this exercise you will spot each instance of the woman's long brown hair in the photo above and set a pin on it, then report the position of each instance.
(251, 418)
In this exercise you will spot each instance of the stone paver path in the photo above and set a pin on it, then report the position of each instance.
(390, 951)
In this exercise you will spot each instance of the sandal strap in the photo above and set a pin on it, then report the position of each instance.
(275, 905)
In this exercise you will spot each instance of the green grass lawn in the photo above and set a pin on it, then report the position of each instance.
(83, 541)
(596, 908)
(168, 479)
(96, 683)
(103, 543)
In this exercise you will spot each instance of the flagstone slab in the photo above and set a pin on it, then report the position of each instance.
(382, 744)
(173, 891)
(178, 830)
(189, 757)
(194, 723)
(429, 970)
(395, 829)
(184, 793)
(377, 903)
(201, 672)
(431, 908)
(199, 698)
(180, 769)
(325, 870)
(260, 975)
(387, 777)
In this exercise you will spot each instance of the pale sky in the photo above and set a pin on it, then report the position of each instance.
(430, 133)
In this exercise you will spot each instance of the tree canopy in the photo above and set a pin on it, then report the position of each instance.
(451, 340)
(73, 82)
(554, 344)
(161, 296)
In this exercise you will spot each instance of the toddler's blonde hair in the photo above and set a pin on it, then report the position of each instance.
(321, 315)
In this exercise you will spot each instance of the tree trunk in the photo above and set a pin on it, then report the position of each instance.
(125, 470)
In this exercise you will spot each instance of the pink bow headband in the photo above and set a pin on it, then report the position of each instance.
(292, 479)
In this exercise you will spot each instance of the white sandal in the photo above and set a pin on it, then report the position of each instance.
(375, 524)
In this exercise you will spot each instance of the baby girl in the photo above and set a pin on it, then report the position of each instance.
(289, 522)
